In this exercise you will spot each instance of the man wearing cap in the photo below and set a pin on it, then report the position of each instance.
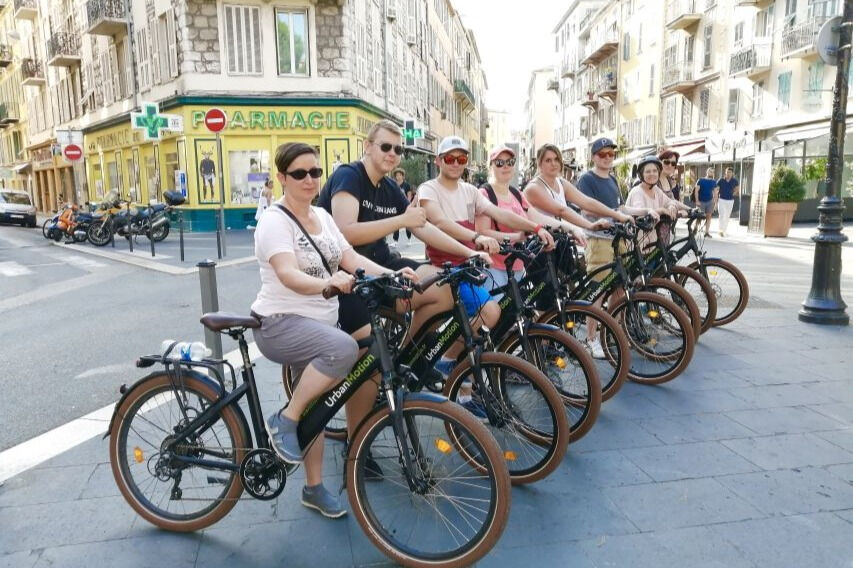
(368, 206)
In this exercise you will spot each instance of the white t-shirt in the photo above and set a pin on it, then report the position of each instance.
(277, 233)
(461, 204)
(557, 194)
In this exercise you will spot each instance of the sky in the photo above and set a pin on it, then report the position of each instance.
(512, 42)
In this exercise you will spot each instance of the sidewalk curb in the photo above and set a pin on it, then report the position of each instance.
(149, 264)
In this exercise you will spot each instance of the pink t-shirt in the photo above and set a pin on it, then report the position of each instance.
(510, 204)
(461, 205)
(638, 198)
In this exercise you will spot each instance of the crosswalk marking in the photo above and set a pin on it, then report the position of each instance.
(12, 268)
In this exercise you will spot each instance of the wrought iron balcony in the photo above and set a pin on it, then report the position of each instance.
(63, 49)
(607, 88)
(591, 101)
(682, 14)
(32, 73)
(9, 114)
(601, 45)
(678, 78)
(799, 40)
(463, 93)
(5, 55)
(106, 17)
(751, 60)
(26, 9)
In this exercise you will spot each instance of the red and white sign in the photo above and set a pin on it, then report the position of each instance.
(215, 119)
(72, 152)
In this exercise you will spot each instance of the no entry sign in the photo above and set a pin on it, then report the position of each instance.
(72, 152)
(215, 120)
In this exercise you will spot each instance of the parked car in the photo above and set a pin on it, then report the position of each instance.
(17, 207)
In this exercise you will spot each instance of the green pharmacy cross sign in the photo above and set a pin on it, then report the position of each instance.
(411, 132)
(151, 122)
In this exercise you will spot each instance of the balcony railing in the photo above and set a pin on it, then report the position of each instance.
(26, 9)
(63, 49)
(601, 45)
(678, 77)
(106, 17)
(462, 91)
(607, 87)
(800, 39)
(9, 114)
(752, 59)
(681, 14)
(5, 55)
(32, 73)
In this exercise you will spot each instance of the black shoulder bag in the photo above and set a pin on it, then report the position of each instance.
(307, 236)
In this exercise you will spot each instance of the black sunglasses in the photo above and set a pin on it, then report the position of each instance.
(501, 163)
(301, 173)
(386, 147)
(670, 162)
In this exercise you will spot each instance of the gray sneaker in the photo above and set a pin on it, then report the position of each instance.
(282, 433)
(321, 499)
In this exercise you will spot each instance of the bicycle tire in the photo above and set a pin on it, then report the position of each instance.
(680, 358)
(681, 298)
(613, 368)
(702, 292)
(386, 538)
(232, 488)
(336, 429)
(44, 226)
(552, 434)
(710, 268)
(582, 401)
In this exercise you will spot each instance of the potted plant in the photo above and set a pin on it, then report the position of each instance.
(787, 188)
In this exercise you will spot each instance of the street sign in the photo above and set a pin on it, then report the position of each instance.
(72, 152)
(411, 132)
(215, 119)
(66, 137)
(828, 39)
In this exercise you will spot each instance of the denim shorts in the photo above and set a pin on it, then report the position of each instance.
(473, 297)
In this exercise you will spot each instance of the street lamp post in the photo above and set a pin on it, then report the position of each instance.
(824, 305)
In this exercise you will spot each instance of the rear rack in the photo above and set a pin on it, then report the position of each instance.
(173, 367)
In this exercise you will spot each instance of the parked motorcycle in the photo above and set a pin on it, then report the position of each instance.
(65, 224)
(128, 222)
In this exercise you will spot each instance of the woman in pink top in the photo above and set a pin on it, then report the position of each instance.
(648, 194)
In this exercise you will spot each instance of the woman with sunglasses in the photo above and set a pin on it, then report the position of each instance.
(648, 194)
(668, 177)
(301, 252)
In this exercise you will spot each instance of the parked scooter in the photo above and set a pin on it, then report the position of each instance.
(66, 224)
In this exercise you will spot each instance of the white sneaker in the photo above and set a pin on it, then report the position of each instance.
(595, 349)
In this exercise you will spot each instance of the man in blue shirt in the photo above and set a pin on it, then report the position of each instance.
(706, 196)
(728, 189)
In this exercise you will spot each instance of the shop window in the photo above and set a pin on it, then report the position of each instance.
(291, 29)
(133, 176)
(152, 174)
(98, 178)
(171, 168)
(248, 170)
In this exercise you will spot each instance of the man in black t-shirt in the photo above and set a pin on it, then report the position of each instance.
(367, 207)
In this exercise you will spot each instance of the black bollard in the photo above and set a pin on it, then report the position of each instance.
(181, 232)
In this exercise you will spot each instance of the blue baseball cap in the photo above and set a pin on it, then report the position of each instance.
(602, 143)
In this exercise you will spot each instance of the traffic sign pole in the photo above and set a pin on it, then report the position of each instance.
(221, 192)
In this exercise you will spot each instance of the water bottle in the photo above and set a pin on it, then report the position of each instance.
(175, 352)
(195, 351)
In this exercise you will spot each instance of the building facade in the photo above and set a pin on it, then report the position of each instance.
(317, 71)
(540, 110)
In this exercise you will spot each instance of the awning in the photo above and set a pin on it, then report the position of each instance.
(685, 149)
(636, 155)
(22, 168)
(803, 132)
(695, 158)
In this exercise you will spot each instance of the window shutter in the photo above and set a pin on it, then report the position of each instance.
(114, 74)
(128, 68)
(154, 50)
(106, 79)
(172, 41)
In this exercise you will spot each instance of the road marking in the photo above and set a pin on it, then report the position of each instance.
(105, 370)
(12, 268)
(35, 451)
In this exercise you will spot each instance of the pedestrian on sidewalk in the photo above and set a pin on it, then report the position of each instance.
(264, 201)
(728, 188)
(400, 178)
(706, 196)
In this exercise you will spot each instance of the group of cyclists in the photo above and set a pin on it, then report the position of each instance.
(305, 249)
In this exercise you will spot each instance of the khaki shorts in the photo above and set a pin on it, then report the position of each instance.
(599, 252)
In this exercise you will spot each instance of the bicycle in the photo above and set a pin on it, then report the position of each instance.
(524, 411)
(438, 458)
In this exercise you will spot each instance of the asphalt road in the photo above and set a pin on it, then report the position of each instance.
(72, 324)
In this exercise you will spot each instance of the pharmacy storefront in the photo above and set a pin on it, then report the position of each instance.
(120, 160)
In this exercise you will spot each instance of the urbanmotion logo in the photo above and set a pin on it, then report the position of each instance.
(443, 339)
(341, 390)
(536, 291)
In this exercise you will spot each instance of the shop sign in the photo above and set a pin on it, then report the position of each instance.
(280, 120)
(152, 122)
(181, 182)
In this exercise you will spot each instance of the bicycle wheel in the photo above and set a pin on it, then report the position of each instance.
(165, 492)
(44, 226)
(700, 290)
(681, 298)
(569, 368)
(659, 334)
(529, 422)
(613, 368)
(461, 507)
(336, 429)
(729, 285)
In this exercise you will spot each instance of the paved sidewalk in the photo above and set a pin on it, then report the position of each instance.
(746, 460)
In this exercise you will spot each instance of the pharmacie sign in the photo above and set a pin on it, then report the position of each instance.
(280, 120)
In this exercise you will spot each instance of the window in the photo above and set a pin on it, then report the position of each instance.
(739, 35)
(708, 47)
(733, 104)
(670, 117)
(243, 40)
(626, 47)
(649, 130)
(640, 39)
(704, 108)
(764, 23)
(815, 86)
(652, 80)
(784, 92)
(686, 115)
(248, 170)
(688, 50)
(291, 28)
(757, 99)
(143, 57)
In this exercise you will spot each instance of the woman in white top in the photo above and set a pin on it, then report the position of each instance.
(298, 325)
(264, 200)
(649, 195)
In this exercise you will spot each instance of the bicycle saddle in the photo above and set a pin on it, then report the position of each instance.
(219, 321)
